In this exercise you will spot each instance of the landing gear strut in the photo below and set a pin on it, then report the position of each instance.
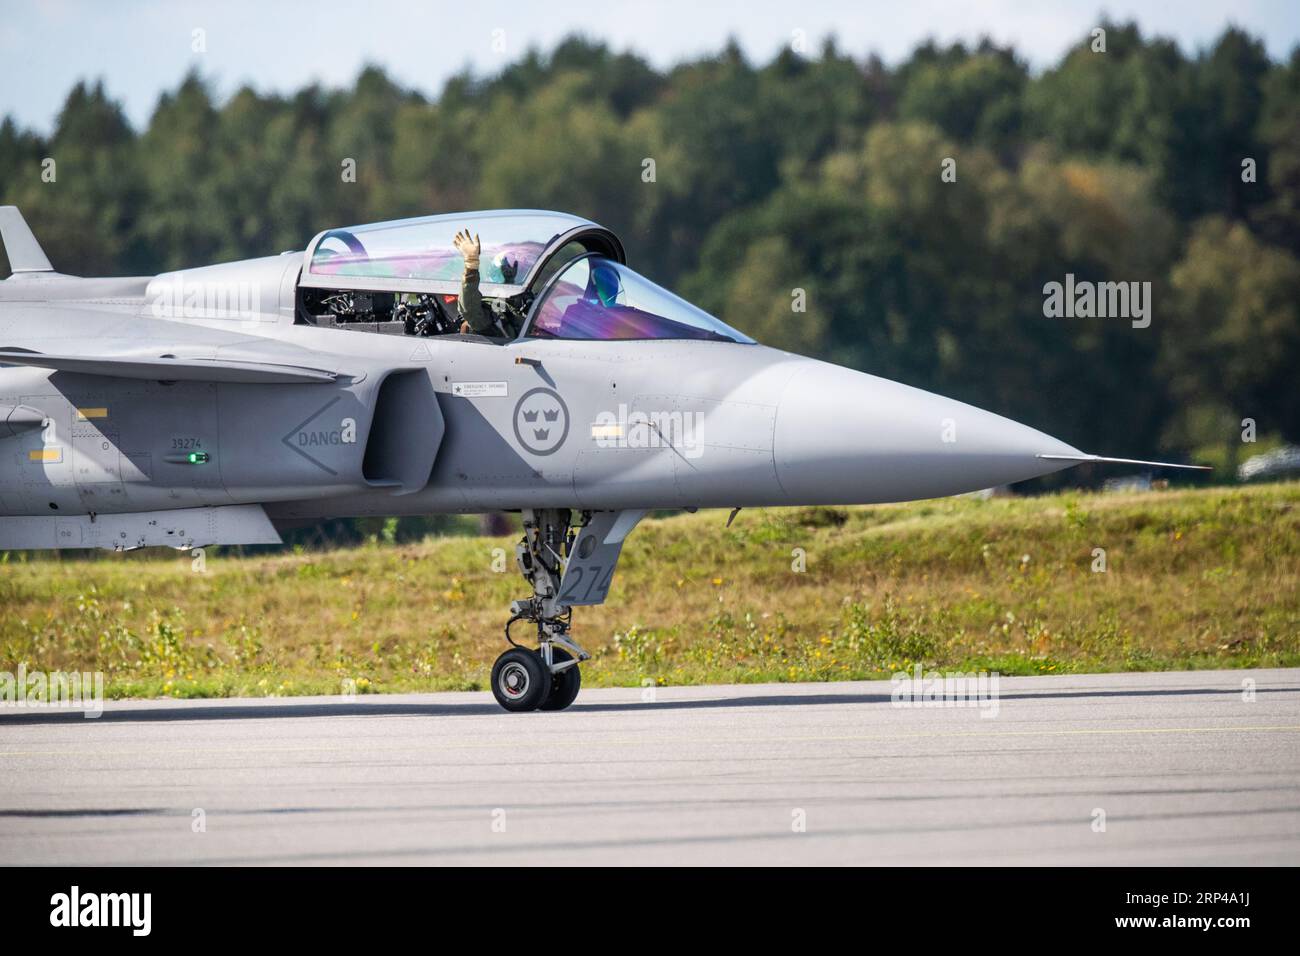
(567, 565)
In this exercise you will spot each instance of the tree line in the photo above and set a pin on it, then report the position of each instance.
(906, 221)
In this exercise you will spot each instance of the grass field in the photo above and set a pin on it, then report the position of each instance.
(1204, 578)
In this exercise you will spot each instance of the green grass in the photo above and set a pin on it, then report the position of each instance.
(1195, 579)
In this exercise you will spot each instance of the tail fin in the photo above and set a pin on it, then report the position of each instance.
(25, 253)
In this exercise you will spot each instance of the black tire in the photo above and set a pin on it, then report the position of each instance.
(564, 685)
(519, 680)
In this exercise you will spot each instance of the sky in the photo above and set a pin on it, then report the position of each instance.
(142, 47)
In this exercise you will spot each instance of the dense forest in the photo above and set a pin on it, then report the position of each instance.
(916, 211)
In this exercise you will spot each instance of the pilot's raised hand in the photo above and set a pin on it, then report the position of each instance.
(469, 247)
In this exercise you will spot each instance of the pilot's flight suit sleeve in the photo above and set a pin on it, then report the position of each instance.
(470, 304)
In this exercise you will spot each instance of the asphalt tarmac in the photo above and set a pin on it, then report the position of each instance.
(1122, 769)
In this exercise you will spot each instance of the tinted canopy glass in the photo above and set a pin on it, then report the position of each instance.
(597, 298)
(421, 249)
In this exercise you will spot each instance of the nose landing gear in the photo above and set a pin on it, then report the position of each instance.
(547, 678)
(566, 566)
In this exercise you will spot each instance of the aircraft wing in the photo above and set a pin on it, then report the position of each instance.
(173, 369)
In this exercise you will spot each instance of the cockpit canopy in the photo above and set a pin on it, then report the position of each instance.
(541, 274)
(417, 255)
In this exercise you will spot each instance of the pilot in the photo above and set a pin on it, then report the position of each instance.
(474, 314)
(604, 286)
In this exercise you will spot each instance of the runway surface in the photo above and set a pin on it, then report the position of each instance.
(1186, 768)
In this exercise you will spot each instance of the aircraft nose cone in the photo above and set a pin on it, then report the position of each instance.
(843, 437)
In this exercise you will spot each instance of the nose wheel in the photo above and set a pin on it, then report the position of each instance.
(521, 680)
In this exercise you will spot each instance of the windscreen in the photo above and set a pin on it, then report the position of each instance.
(597, 298)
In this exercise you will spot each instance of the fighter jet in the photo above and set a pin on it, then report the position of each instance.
(221, 404)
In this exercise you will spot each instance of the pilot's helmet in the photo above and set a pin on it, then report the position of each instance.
(606, 284)
(506, 267)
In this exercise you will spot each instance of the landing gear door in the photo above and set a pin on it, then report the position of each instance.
(593, 558)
